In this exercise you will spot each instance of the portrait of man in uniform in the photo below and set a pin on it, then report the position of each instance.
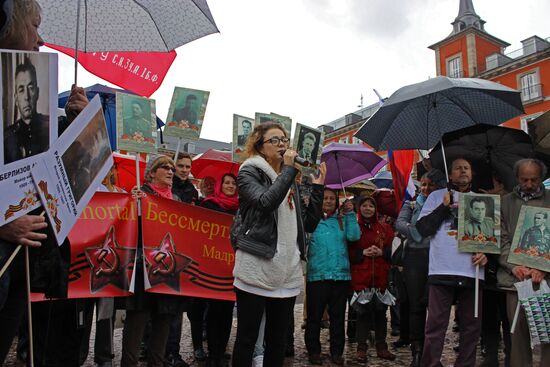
(244, 131)
(477, 221)
(188, 112)
(139, 121)
(308, 149)
(29, 134)
(537, 236)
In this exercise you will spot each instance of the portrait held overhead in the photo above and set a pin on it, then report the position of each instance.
(242, 127)
(186, 113)
(135, 123)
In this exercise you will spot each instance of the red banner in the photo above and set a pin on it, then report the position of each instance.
(187, 249)
(103, 247)
(139, 72)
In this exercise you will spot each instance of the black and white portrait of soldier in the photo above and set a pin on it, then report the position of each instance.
(537, 236)
(478, 222)
(189, 111)
(29, 134)
(244, 130)
(308, 146)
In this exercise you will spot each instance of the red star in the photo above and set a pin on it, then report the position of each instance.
(109, 263)
(165, 264)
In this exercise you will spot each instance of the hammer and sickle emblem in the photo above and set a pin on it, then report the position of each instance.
(102, 259)
(160, 259)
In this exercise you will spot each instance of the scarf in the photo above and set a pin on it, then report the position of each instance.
(165, 192)
(226, 202)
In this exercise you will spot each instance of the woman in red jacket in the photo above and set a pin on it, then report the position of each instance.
(370, 265)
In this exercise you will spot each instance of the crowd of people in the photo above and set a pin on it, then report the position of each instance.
(289, 233)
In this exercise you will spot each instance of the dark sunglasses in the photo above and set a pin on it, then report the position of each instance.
(168, 168)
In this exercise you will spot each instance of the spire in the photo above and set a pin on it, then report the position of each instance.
(467, 17)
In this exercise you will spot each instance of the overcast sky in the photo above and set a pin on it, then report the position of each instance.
(312, 59)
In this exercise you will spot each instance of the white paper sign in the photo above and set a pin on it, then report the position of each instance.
(70, 173)
(29, 126)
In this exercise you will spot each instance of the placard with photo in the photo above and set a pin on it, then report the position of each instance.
(242, 128)
(531, 242)
(186, 113)
(135, 122)
(260, 118)
(479, 223)
(69, 174)
(29, 126)
(308, 143)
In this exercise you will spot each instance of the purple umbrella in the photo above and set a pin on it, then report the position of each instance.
(349, 163)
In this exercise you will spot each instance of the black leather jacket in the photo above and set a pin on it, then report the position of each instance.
(259, 199)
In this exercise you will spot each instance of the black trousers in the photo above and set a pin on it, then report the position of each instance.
(219, 320)
(373, 318)
(13, 298)
(493, 315)
(415, 276)
(278, 313)
(319, 295)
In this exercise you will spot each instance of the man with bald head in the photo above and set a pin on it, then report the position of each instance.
(529, 191)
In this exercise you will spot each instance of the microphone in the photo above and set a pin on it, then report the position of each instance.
(301, 161)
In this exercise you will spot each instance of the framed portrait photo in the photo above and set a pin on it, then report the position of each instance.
(285, 121)
(186, 113)
(479, 223)
(29, 126)
(242, 128)
(308, 143)
(135, 123)
(531, 242)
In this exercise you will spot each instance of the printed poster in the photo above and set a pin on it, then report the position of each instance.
(308, 143)
(186, 113)
(29, 126)
(70, 173)
(135, 122)
(242, 128)
(187, 249)
(479, 223)
(531, 242)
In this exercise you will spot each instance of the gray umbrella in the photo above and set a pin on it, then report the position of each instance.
(417, 116)
(125, 25)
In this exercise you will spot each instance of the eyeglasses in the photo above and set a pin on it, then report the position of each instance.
(276, 140)
(168, 168)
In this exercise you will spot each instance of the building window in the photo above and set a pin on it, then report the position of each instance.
(343, 140)
(530, 87)
(454, 67)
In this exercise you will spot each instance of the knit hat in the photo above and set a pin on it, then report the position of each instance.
(6, 10)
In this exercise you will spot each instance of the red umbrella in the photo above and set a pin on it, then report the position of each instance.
(214, 163)
(125, 166)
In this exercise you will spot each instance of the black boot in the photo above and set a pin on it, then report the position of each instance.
(416, 350)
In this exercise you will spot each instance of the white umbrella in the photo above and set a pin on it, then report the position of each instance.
(125, 25)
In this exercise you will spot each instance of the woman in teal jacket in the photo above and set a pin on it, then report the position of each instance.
(328, 276)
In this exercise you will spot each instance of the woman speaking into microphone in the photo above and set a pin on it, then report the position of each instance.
(269, 237)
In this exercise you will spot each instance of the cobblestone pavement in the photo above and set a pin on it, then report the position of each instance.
(300, 358)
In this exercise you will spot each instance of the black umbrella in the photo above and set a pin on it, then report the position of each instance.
(539, 130)
(490, 149)
(416, 116)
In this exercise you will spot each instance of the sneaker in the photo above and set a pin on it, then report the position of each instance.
(199, 355)
(258, 361)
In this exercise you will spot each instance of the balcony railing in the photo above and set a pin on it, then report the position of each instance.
(531, 92)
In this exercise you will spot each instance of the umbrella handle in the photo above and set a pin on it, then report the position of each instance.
(340, 175)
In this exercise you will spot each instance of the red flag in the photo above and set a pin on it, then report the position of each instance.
(139, 72)
(401, 164)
